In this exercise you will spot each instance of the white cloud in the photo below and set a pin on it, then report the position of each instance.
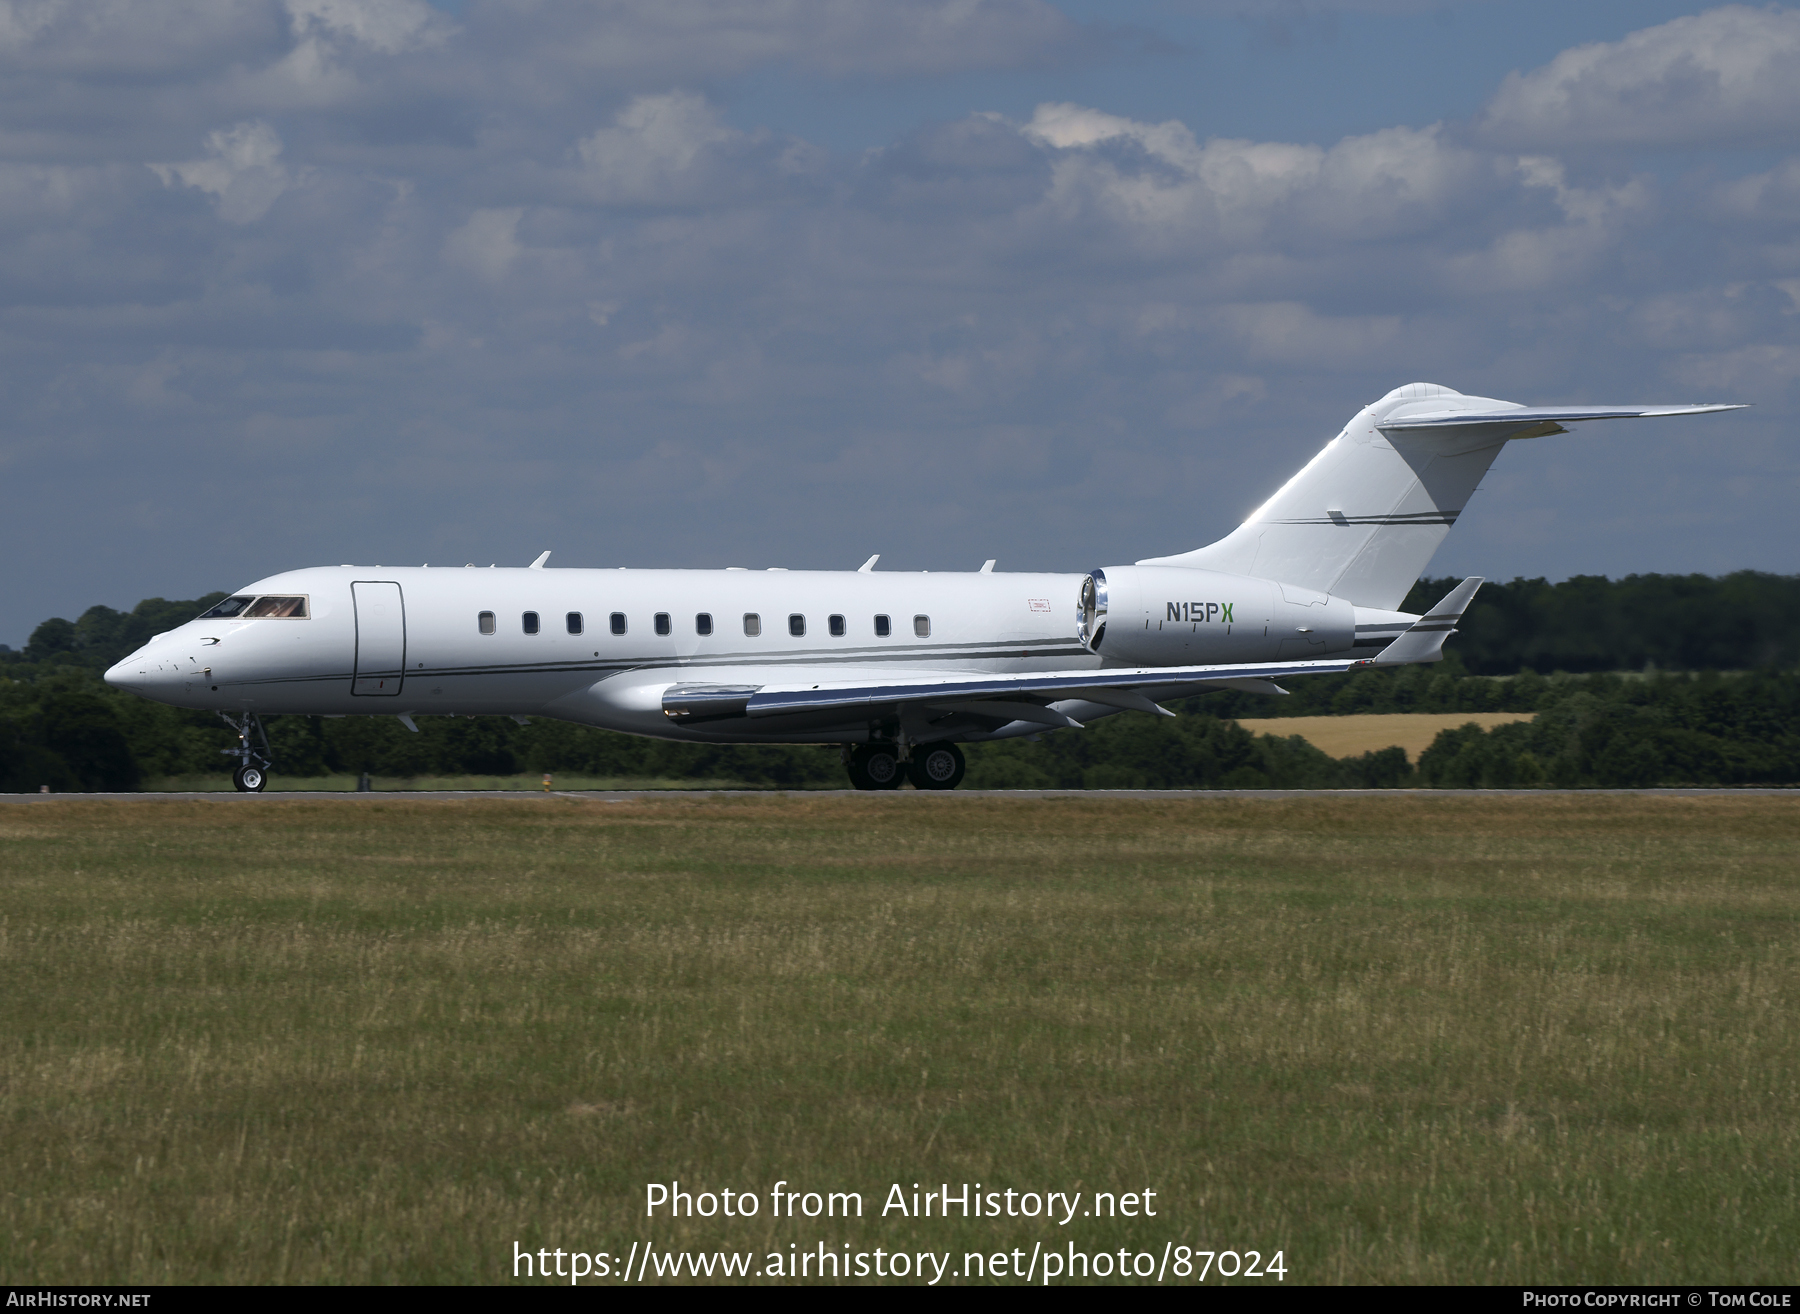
(386, 26)
(242, 171)
(487, 244)
(659, 149)
(1067, 126)
(311, 76)
(1771, 197)
(21, 21)
(656, 135)
(1247, 192)
(319, 71)
(1729, 75)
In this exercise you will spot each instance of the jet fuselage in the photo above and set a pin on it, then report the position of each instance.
(601, 646)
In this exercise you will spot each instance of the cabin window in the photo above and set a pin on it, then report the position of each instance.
(797, 625)
(529, 622)
(836, 626)
(485, 622)
(290, 607)
(573, 621)
(703, 623)
(618, 622)
(752, 625)
(882, 627)
(662, 622)
(922, 627)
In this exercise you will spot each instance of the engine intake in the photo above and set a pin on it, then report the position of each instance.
(1090, 610)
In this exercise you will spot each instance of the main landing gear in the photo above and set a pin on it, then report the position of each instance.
(878, 766)
(252, 773)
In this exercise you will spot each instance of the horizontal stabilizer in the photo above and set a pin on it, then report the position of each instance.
(1424, 641)
(1523, 415)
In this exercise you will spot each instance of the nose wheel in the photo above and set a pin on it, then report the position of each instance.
(252, 752)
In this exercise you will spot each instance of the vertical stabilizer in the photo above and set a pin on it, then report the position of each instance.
(1363, 518)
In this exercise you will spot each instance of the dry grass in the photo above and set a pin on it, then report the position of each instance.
(1541, 1039)
(1369, 732)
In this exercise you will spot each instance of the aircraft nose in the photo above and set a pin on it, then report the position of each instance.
(128, 674)
(147, 671)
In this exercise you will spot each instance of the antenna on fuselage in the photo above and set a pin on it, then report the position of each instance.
(539, 563)
(868, 567)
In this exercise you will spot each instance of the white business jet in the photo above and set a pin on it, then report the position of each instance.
(897, 668)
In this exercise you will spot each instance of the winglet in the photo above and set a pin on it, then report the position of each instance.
(1424, 641)
(868, 566)
(539, 563)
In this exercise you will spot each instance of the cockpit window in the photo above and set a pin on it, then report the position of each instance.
(294, 608)
(229, 607)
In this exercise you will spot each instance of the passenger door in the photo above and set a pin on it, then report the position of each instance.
(380, 639)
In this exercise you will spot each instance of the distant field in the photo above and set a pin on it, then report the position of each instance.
(1399, 1038)
(1352, 736)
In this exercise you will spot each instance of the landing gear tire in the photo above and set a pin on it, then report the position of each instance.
(939, 766)
(252, 752)
(876, 766)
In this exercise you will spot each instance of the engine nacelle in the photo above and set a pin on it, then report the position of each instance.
(1173, 616)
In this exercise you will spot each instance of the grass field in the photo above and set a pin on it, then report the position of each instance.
(1370, 732)
(1396, 1038)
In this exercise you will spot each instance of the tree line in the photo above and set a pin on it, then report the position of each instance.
(1742, 621)
(61, 726)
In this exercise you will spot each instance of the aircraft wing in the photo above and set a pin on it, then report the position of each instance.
(1010, 695)
(1522, 415)
(1015, 697)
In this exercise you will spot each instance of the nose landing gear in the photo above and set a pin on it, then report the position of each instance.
(252, 773)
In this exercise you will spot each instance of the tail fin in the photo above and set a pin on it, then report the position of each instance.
(1364, 517)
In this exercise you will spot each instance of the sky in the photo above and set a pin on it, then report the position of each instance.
(708, 283)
